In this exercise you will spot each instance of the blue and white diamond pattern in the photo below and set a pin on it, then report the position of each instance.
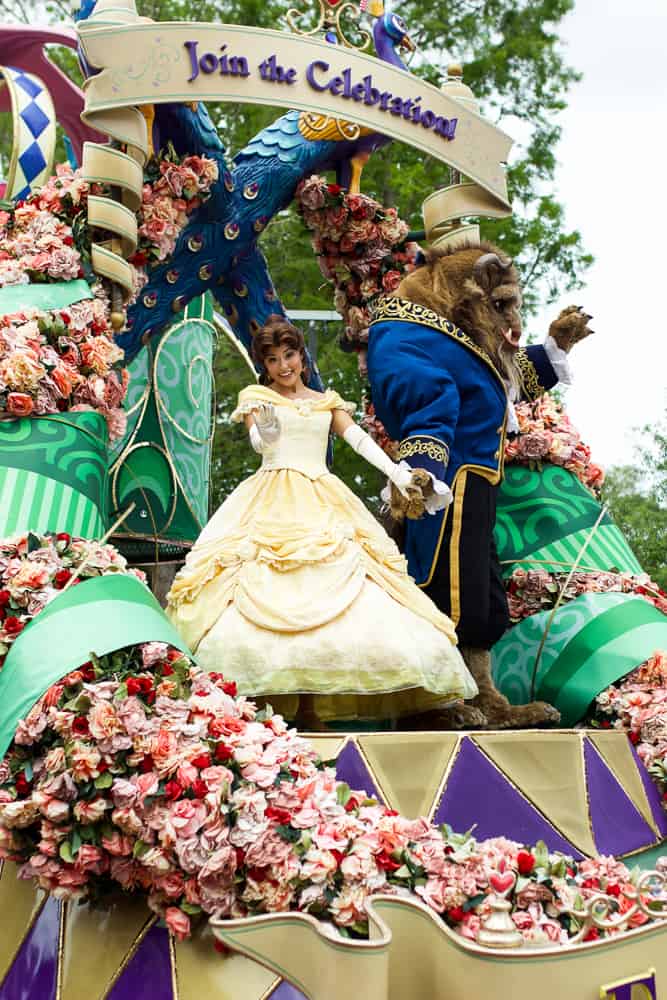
(34, 120)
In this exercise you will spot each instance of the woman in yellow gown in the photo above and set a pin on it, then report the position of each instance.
(293, 589)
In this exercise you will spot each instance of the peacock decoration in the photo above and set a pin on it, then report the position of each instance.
(219, 249)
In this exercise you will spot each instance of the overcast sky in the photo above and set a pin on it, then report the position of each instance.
(612, 180)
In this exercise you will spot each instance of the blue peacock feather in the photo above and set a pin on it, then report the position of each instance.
(218, 249)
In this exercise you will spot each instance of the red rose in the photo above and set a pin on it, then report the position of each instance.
(280, 815)
(201, 761)
(338, 855)
(61, 578)
(145, 684)
(174, 654)
(592, 935)
(590, 883)
(456, 914)
(257, 874)
(352, 804)
(221, 947)
(634, 737)
(13, 625)
(146, 764)
(167, 670)
(63, 536)
(334, 188)
(229, 687)
(23, 786)
(223, 752)
(173, 790)
(525, 862)
(88, 671)
(80, 726)
(240, 856)
(4, 598)
(386, 862)
(613, 890)
(133, 685)
(199, 788)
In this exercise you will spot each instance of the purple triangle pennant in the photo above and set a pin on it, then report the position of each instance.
(478, 795)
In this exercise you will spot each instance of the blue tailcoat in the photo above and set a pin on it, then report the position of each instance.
(442, 398)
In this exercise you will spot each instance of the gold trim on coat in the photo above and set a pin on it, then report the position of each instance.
(454, 545)
(388, 308)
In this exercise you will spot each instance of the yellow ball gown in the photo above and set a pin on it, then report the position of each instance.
(293, 587)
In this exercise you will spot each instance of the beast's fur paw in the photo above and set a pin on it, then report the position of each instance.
(570, 327)
(412, 505)
(506, 716)
(461, 716)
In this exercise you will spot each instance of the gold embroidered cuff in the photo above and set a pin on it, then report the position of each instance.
(529, 378)
(434, 449)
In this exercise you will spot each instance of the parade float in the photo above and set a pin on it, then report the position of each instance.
(391, 864)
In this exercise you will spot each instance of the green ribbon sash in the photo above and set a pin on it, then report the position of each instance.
(54, 474)
(603, 651)
(52, 295)
(543, 519)
(98, 616)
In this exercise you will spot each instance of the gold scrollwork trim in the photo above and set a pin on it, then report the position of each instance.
(392, 307)
(434, 449)
(528, 374)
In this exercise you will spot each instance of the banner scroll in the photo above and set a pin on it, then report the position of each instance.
(141, 62)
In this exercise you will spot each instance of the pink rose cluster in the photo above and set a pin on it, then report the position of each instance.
(35, 568)
(173, 189)
(139, 772)
(546, 434)
(37, 240)
(63, 360)
(638, 705)
(361, 246)
(530, 591)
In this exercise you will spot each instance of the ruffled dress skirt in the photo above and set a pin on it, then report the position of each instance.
(293, 587)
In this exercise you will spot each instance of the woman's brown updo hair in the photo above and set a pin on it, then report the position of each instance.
(278, 332)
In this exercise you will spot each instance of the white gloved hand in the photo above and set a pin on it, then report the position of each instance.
(440, 498)
(364, 445)
(266, 422)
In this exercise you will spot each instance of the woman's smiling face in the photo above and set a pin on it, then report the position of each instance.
(284, 366)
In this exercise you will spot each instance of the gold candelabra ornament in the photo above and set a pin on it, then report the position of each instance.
(599, 911)
(497, 929)
(330, 16)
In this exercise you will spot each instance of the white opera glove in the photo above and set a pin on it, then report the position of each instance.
(559, 361)
(440, 498)
(364, 445)
(265, 430)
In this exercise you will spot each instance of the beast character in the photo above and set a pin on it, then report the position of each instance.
(445, 366)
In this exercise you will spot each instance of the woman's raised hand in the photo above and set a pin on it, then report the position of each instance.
(266, 422)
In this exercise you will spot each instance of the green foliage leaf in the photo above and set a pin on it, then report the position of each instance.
(65, 852)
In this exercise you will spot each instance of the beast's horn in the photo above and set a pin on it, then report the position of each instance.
(489, 270)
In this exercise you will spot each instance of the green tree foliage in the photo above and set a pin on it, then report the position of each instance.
(637, 499)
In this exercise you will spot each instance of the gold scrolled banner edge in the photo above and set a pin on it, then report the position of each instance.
(143, 62)
(22, 137)
(412, 952)
(444, 209)
(122, 171)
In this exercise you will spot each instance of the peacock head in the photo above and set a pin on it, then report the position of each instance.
(390, 33)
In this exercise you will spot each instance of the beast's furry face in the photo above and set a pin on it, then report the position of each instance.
(476, 287)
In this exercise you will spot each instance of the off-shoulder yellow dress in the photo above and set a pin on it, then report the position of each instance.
(294, 587)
